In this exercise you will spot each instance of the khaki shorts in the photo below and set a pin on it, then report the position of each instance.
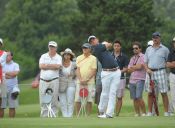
(91, 92)
(9, 101)
(121, 88)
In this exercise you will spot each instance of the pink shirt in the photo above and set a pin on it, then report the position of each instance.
(139, 74)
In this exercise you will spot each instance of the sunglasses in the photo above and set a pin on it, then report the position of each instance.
(136, 48)
(52, 46)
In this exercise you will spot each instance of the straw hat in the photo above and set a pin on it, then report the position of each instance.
(68, 51)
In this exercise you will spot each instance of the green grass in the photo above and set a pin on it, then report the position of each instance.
(28, 115)
(90, 122)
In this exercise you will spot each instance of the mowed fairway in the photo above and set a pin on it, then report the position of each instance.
(90, 122)
(28, 116)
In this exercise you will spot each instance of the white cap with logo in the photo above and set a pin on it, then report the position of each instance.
(174, 39)
(91, 37)
(52, 43)
(150, 43)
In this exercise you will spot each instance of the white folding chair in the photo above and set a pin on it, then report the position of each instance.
(83, 96)
(47, 105)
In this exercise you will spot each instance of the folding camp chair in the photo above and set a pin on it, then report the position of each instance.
(83, 96)
(47, 105)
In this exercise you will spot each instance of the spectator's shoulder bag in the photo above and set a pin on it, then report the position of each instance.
(63, 83)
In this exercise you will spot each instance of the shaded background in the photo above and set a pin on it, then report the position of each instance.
(26, 26)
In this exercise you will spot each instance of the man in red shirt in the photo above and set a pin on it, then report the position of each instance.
(3, 56)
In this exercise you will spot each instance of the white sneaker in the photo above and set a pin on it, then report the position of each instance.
(171, 114)
(166, 114)
(136, 115)
(143, 114)
(149, 114)
(104, 116)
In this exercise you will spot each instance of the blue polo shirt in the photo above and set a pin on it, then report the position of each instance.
(104, 56)
(156, 58)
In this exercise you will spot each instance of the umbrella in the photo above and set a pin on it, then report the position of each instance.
(153, 94)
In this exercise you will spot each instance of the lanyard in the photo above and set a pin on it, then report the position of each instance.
(135, 60)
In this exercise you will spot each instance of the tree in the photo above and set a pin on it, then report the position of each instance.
(30, 24)
(164, 9)
(128, 20)
(2, 7)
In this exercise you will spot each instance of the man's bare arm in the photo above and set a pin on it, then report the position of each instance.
(147, 69)
(49, 66)
(9, 75)
(108, 45)
(92, 74)
(170, 64)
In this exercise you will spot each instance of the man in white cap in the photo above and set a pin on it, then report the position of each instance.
(11, 70)
(3, 56)
(171, 65)
(49, 64)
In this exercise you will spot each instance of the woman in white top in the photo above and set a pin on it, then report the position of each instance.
(67, 83)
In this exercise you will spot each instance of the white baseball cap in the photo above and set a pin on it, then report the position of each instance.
(52, 43)
(91, 37)
(174, 39)
(1, 41)
(150, 43)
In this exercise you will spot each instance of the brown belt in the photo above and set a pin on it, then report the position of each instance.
(48, 80)
(110, 69)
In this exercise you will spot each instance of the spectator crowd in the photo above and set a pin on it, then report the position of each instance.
(97, 76)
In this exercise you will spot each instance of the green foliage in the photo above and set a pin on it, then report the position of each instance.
(129, 20)
(28, 25)
(26, 62)
(2, 7)
(32, 24)
(164, 9)
(126, 20)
